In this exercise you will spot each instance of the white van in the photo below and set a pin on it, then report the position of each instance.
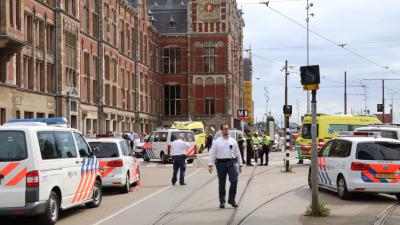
(44, 169)
(158, 145)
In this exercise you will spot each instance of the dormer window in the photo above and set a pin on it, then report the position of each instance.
(172, 23)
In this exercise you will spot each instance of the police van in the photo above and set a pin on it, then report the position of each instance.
(359, 162)
(44, 169)
(158, 145)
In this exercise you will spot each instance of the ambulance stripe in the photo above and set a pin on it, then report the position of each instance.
(21, 175)
(10, 167)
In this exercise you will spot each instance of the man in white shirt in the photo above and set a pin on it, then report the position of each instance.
(225, 154)
(178, 152)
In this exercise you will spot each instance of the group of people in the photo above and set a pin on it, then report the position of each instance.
(227, 154)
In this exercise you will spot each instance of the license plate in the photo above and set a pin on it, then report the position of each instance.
(386, 175)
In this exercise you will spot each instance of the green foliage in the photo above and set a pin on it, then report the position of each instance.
(323, 210)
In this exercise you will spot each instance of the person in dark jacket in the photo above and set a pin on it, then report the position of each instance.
(249, 149)
(209, 142)
(240, 140)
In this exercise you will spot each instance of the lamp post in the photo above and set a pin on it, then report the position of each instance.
(266, 98)
(309, 5)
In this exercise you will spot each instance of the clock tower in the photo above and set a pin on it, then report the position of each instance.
(208, 16)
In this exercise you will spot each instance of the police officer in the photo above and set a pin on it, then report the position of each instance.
(249, 149)
(256, 141)
(240, 140)
(226, 156)
(266, 142)
(178, 152)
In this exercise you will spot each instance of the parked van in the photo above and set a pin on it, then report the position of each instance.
(329, 126)
(198, 129)
(45, 169)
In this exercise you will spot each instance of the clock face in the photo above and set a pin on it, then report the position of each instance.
(209, 10)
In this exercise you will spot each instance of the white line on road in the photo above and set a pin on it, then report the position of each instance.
(140, 201)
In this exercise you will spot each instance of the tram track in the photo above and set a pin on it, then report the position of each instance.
(384, 216)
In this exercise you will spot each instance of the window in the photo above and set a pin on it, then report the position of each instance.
(145, 59)
(18, 69)
(50, 38)
(95, 19)
(50, 79)
(209, 59)
(209, 106)
(115, 70)
(70, 7)
(65, 144)
(2, 116)
(40, 39)
(106, 150)
(70, 44)
(306, 131)
(17, 14)
(84, 150)
(28, 115)
(172, 60)
(384, 133)
(124, 147)
(114, 103)
(161, 137)
(86, 62)
(325, 149)
(107, 67)
(172, 95)
(122, 36)
(47, 144)
(339, 127)
(340, 149)
(17, 114)
(11, 10)
(107, 94)
(12, 146)
(189, 137)
(40, 115)
(86, 16)
(95, 78)
(28, 30)
(378, 151)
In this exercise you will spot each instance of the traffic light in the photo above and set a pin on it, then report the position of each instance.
(310, 78)
(287, 110)
(380, 107)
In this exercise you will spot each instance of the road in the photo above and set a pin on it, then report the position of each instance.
(278, 197)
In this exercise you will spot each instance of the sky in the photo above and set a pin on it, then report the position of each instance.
(370, 31)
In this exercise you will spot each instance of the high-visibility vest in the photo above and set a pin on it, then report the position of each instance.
(266, 140)
(256, 140)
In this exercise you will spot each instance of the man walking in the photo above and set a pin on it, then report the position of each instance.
(178, 152)
(249, 149)
(226, 156)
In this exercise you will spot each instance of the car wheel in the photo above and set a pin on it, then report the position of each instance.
(50, 216)
(190, 161)
(163, 158)
(343, 193)
(127, 186)
(398, 197)
(97, 195)
(146, 156)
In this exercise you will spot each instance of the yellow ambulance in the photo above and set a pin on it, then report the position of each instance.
(198, 129)
(330, 126)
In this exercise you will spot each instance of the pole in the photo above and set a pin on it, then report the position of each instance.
(314, 155)
(345, 93)
(308, 54)
(383, 101)
(287, 138)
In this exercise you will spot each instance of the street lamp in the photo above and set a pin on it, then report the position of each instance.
(309, 5)
(266, 98)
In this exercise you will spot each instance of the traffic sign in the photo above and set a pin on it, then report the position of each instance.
(242, 114)
(380, 107)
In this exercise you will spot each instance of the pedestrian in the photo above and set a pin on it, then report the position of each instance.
(225, 154)
(209, 141)
(240, 140)
(178, 152)
(266, 142)
(249, 149)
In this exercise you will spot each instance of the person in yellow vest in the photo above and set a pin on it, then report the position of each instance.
(257, 142)
(266, 142)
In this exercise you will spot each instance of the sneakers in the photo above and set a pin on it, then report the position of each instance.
(233, 203)
(221, 205)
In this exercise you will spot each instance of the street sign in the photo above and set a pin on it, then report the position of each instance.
(242, 114)
(380, 107)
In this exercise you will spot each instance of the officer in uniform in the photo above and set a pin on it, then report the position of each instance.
(240, 140)
(225, 154)
(266, 142)
(249, 149)
(178, 152)
(256, 141)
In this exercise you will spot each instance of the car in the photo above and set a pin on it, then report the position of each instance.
(158, 145)
(118, 167)
(45, 169)
(349, 164)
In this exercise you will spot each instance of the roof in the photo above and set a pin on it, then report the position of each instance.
(165, 11)
(24, 127)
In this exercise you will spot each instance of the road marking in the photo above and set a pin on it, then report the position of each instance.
(140, 201)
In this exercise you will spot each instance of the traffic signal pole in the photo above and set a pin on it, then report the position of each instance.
(287, 134)
(314, 154)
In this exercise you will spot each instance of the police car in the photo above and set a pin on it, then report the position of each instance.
(44, 169)
(386, 131)
(118, 167)
(353, 163)
(158, 145)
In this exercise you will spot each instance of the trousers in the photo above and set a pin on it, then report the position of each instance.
(225, 169)
(179, 164)
(264, 151)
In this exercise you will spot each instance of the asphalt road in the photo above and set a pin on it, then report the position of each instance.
(280, 198)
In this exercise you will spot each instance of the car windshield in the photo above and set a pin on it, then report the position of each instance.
(12, 146)
(106, 150)
(378, 151)
(306, 131)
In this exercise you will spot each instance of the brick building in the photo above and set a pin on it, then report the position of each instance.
(115, 65)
